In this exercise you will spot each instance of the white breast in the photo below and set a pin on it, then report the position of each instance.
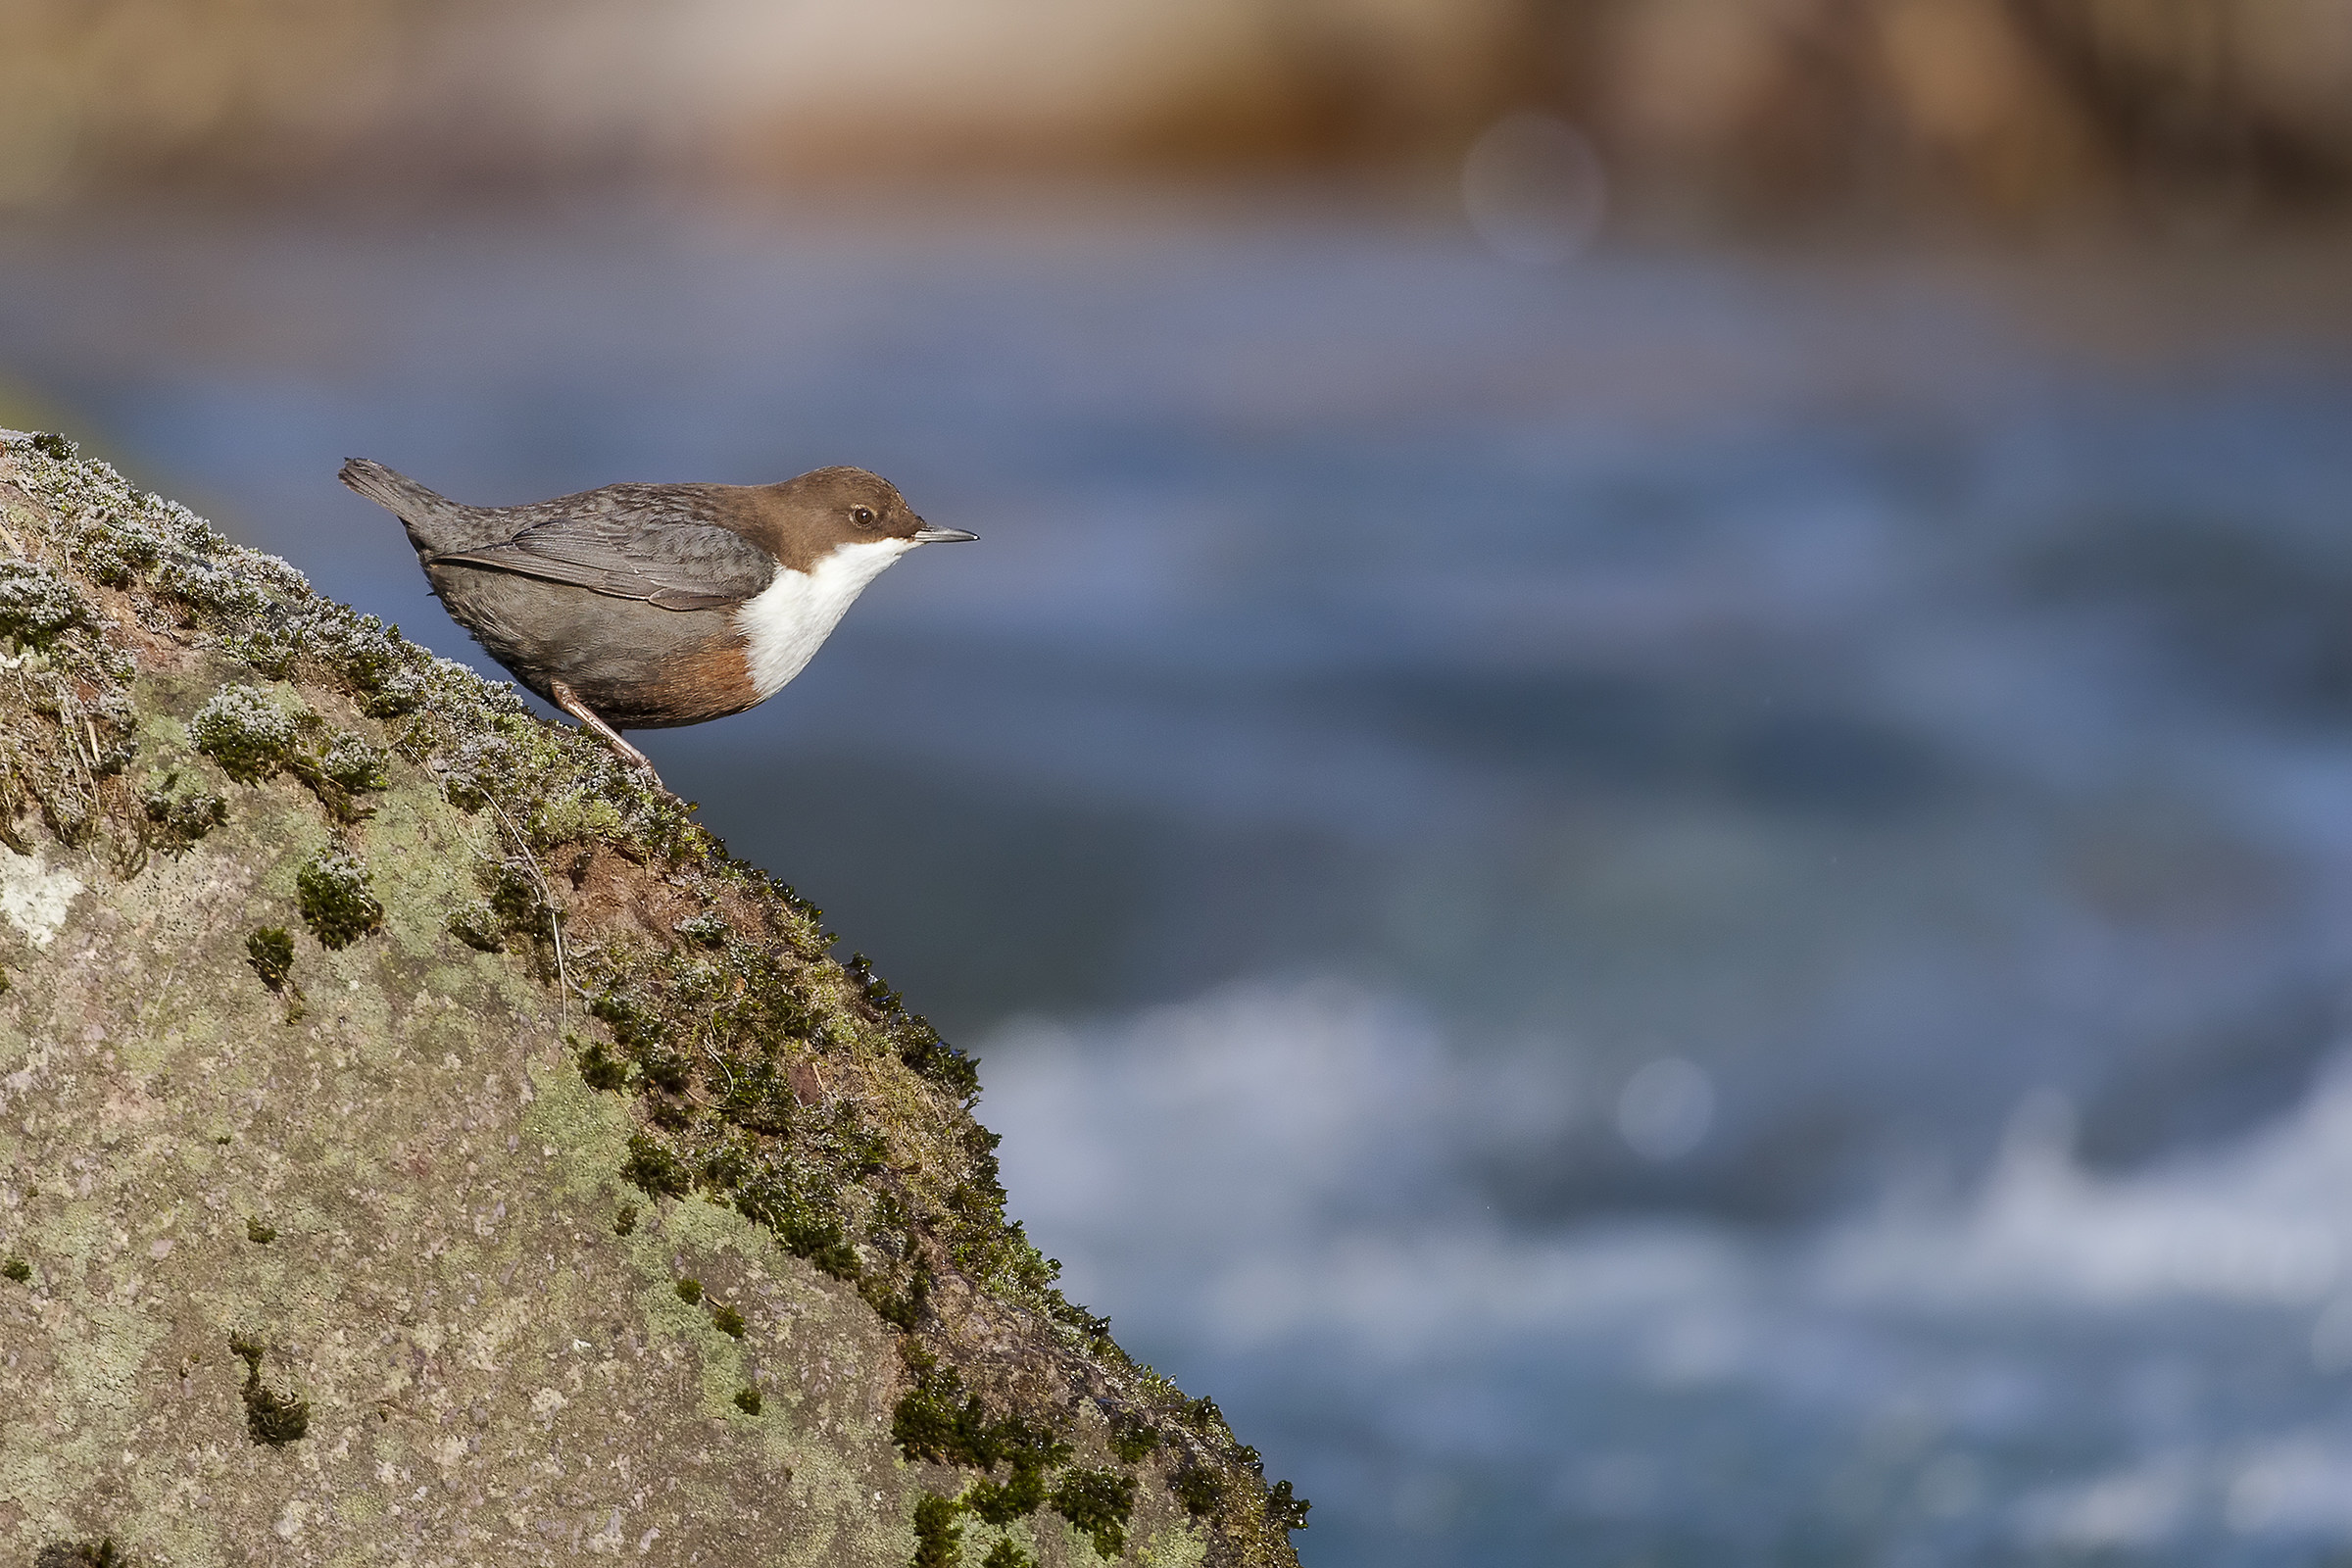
(786, 621)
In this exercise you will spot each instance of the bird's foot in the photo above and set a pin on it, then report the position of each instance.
(569, 701)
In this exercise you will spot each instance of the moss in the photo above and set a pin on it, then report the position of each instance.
(690, 1291)
(210, 595)
(625, 1222)
(331, 889)
(1005, 1555)
(100, 1553)
(654, 1168)
(1199, 1489)
(919, 1045)
(118, 552)
(1001, 1503)
(937, 1420)
(902, 1310)
(938, 1537)
(728, 1321)
(270, 952)
(255, 1231)
(1096, 1502)
(1285, 1510)
(255, 736)
(249, 735)
(379, 666)
(50, 444)
(748, 1400)
(1132, 1440)
(577, 817)
(598, 1069)
(37, 607)
(178, 820)
(708, 929)
(275, 1413)
(16, 1269)
(351, 764)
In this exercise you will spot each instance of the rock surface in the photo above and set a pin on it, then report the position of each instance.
(420, 1144)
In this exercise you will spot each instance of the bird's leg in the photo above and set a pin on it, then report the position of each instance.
(569, 701)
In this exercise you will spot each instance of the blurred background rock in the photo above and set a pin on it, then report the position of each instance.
(1710, 113)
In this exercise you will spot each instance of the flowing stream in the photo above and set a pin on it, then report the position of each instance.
(1688, 909)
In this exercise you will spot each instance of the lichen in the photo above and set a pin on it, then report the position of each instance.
(479, 928)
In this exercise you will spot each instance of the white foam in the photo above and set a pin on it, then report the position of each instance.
(2261, 1223)
(1292, 1169)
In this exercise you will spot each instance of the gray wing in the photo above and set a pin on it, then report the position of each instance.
(670, 564)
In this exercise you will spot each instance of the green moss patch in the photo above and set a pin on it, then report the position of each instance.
(275, 1411)
(1096, 1502)
(332, 892)
(270, 952)
(938, 1537)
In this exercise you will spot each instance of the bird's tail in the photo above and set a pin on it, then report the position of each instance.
(435, 522)
(396, 492)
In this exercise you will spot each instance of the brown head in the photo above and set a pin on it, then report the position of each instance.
(803, 521)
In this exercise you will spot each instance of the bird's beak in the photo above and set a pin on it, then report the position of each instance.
(942, 536)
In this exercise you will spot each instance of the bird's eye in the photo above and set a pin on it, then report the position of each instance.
(862, 516)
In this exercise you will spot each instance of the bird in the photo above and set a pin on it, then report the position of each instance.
(655, 605)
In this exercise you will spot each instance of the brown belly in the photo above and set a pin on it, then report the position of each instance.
(637, 666)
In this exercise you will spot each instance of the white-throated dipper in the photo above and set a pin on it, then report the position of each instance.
(650, 606)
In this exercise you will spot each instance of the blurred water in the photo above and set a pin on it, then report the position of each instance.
(1683, 910)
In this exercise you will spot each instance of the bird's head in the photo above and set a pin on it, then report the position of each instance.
(829, 508)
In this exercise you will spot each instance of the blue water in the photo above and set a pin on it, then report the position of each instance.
(1693, 909)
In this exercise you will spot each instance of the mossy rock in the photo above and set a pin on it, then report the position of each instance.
(505, 1045)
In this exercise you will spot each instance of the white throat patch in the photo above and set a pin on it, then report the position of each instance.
(785, 622)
